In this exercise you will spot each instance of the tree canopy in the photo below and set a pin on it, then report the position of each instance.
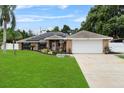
(66, 29)
(7, 15)
(19, 34)
(106, 20)
(55, 29)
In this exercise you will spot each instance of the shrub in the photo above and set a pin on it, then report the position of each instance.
(50, 52)
(44, 50)
(60, 51)
(106, 50)
(69, 50)
(54, 52)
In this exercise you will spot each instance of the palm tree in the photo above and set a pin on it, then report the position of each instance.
(7, 17)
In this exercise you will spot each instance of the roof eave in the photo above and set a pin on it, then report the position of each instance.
(109, 38)
(54, 38)
(29, 41)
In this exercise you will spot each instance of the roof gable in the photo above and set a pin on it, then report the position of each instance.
(87, 34)
(54, 37)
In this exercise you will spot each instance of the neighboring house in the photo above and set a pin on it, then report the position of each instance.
(81, 42)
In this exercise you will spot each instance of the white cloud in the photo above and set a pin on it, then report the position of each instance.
(24, 6)
(63, 6)
(80, 19)
(28, 20)
(58, 17)
(42, 8)
(32, 18)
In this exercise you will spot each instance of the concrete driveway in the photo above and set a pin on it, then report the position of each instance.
(102, 71)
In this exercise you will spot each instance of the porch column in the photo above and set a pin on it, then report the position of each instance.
(105, 44)
(69, 46)
(36, 46)
(61, 48)
(47, 44)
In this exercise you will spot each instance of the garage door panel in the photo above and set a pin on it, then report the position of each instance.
(87, 46)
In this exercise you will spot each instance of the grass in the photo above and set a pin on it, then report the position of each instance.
(30, 69)
(121, 56)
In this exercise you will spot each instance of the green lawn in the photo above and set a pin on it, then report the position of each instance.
(121, 56)
(32, 69)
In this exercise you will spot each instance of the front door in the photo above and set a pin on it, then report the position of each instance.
(54, 46)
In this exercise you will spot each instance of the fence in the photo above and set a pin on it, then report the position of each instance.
(9, 46)
(117, 47)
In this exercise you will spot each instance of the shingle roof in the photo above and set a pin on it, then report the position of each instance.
(23, 40)
(59, 35)
(54, 37)
(87, 34)
(41, 38)
(45, 35)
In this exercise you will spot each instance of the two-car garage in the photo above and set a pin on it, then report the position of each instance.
(87, 46)
(87, 42)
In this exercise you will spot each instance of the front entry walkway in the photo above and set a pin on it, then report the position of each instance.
(102, 71)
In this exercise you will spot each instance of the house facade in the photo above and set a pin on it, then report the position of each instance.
(39, 42)
(81, 42)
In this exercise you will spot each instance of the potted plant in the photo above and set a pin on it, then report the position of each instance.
(106, 50)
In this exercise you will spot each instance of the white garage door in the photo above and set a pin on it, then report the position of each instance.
(87, 46)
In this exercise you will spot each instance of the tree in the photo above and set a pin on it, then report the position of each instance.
(76, 30)
(14, 35)
(82, 26)
(55, 29)
(24, 34)
(66, 29)
(106, 20)
(1, 34)
(47, 30)
(18, 34)
(30, 33)
(10, 36)
(7, 16)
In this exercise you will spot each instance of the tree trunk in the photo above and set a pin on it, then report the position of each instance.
(4, 36)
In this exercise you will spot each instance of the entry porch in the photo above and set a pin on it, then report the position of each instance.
(56, 45)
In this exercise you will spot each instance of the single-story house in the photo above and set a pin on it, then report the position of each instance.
(80, 42)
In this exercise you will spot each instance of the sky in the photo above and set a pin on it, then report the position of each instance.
(36, 17)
